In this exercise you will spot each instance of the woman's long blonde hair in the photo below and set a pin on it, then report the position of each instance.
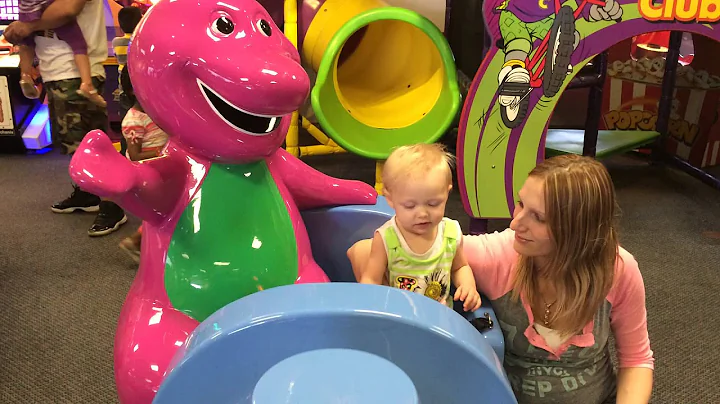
(581, 214)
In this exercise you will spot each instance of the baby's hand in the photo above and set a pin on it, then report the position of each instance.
(469, 296)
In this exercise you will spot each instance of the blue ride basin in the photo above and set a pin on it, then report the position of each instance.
(334, 376)
(335, 343)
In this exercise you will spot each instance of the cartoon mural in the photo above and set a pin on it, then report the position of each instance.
(522, 23)
(539, 43)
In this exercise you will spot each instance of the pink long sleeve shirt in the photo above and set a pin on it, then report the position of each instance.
(580, 369)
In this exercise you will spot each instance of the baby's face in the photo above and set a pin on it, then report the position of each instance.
(419, 204)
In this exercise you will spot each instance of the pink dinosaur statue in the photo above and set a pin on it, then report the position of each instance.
(221, 207)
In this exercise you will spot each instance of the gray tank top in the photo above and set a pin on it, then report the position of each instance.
(580, 375)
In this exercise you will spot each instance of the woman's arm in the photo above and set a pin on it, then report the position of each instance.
(491, 258)
(634, 385)
(628, 320)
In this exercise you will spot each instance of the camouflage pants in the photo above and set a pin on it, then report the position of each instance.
(72, 116)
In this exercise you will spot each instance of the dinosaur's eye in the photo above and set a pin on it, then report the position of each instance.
(223, 26)
(264, 27)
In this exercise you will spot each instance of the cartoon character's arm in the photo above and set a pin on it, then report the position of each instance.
(147, 189)
(312, 189)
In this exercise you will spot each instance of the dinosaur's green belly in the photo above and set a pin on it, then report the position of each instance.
(234, 238)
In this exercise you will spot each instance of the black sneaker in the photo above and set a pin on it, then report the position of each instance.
(110, 218)
(78, 200)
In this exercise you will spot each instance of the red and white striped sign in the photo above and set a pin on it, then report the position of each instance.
(694, 132)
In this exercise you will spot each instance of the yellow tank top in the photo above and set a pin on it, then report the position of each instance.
(429, 273)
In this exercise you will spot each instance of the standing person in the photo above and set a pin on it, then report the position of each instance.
(72, 116)
(31, 10)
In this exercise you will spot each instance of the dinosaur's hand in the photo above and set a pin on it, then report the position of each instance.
(98, 168)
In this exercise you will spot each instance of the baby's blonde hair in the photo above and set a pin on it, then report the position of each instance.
(413, 162)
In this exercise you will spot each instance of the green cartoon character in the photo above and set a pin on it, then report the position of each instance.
(522, 23)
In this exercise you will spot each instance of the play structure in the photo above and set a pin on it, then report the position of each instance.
(215, 260)
(241, 298)
(385, 77)
(504, 123)
(324, 342)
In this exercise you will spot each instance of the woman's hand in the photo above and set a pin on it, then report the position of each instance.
(634, 385)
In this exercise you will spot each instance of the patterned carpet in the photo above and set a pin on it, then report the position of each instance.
(61, 291)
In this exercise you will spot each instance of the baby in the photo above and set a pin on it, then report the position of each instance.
(419, 249)
(31, 10)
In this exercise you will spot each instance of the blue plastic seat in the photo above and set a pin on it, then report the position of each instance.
(339, 342)
(333, 230)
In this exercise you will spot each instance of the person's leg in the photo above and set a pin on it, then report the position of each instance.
(73, 117)
(73, 36)
(27, 56)
(66, 106)
(87, 89)
(111, 216)
(27, 81)
(131, 245)
(54, 126)
(78, 199)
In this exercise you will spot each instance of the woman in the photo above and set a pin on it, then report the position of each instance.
(560, 285)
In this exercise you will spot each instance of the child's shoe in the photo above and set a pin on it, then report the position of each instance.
(89, 92)
(28, 87)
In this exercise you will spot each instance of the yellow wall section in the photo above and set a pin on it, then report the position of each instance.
(433, 10)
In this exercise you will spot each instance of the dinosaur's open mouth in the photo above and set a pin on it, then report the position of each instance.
(237, 118)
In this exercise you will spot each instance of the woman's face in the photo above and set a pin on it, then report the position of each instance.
(532, 235)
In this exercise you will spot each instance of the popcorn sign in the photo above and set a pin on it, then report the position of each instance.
(631, 98)
(639, 112)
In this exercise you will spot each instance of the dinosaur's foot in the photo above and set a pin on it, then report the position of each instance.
(147, 338)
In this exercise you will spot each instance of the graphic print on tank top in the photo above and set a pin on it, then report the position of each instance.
(582, 374)
(428, 274)
(435, 285)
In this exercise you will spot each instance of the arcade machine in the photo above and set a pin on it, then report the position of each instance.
(24, 123)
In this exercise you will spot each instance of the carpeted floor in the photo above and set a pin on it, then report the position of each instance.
(61, 291)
